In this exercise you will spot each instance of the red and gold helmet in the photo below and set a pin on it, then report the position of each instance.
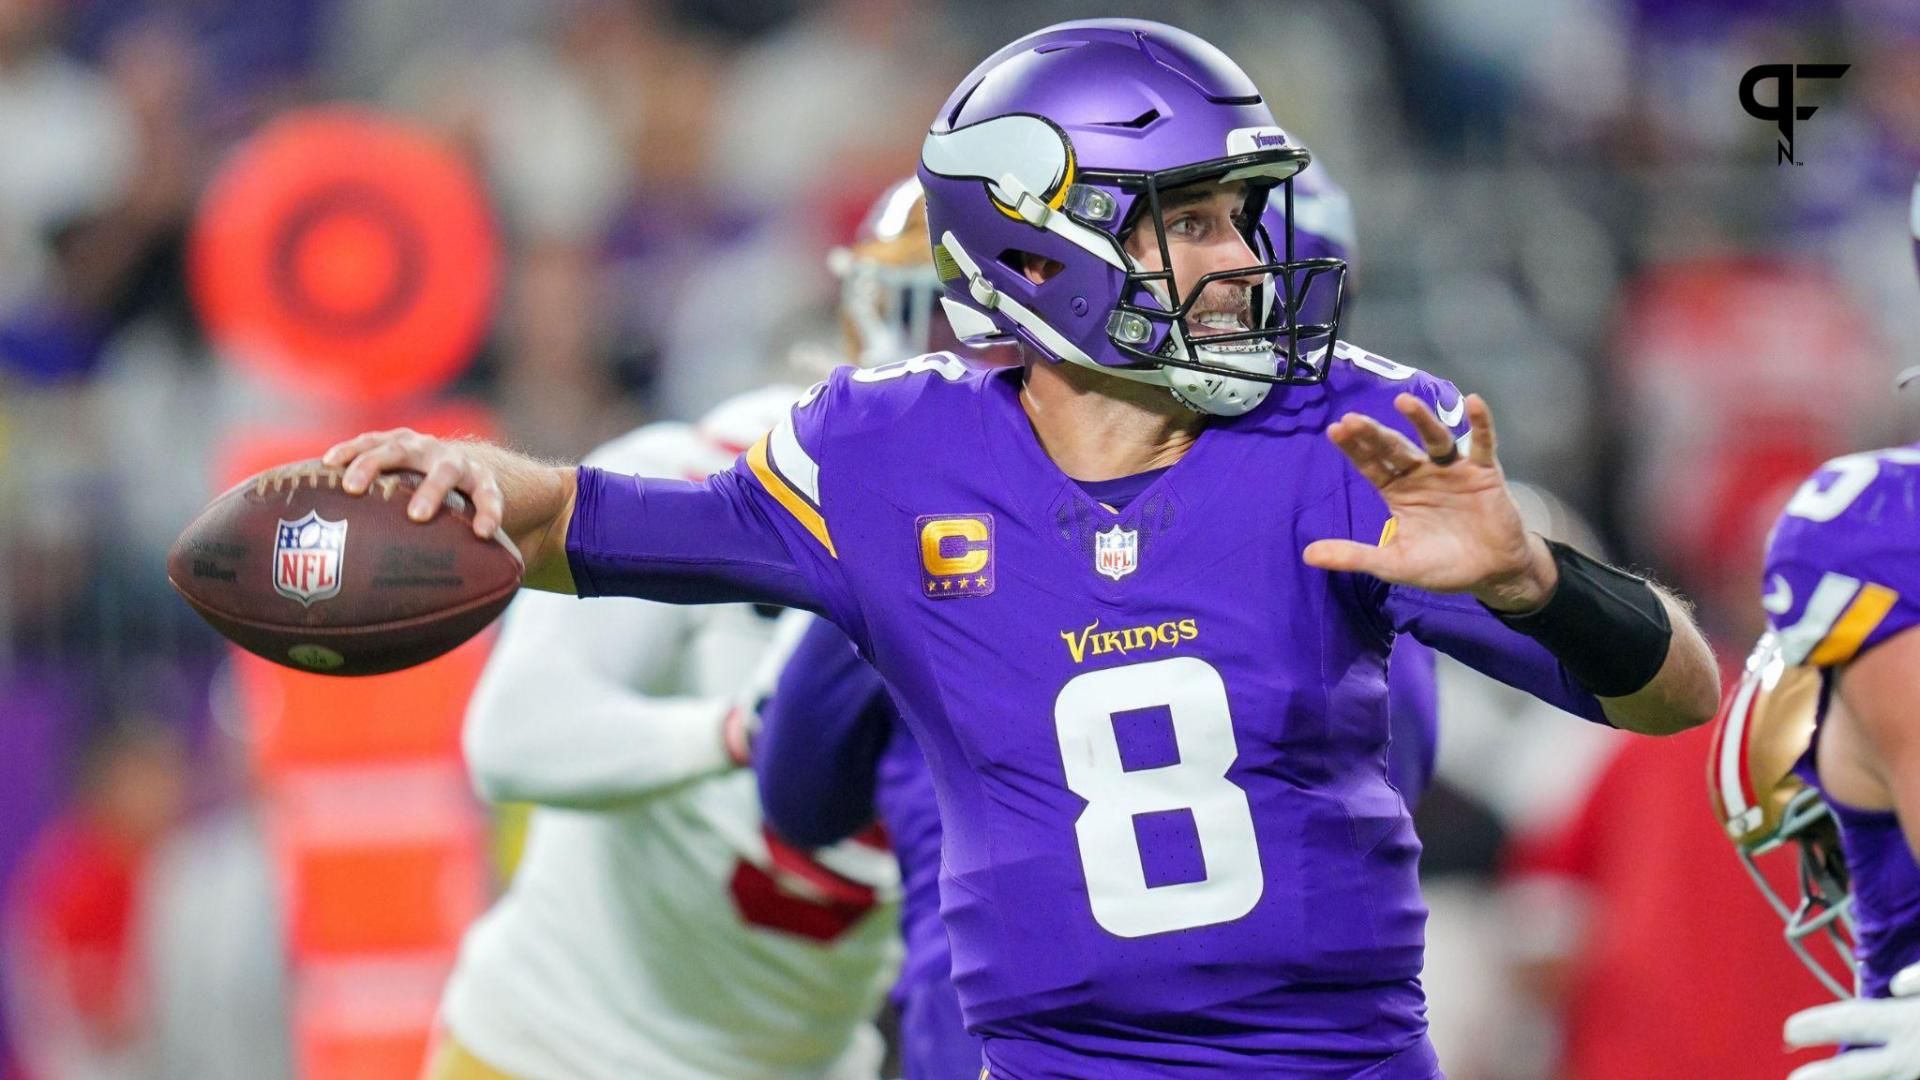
(1764, 728)
(889, 292)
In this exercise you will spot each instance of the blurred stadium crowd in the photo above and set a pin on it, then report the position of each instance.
(1559, 203)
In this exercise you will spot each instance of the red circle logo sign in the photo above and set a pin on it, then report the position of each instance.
(345, 256)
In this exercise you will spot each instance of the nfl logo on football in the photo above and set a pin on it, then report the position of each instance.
(306, 558)
(1116, 552)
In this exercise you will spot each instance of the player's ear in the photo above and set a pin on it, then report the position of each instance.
(1038, 268)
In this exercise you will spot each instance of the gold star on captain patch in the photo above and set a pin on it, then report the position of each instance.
(963, 583)
(980, 581)
(931, 587)
(947, 584)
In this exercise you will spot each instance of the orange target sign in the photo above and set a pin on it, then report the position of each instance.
(347, 257)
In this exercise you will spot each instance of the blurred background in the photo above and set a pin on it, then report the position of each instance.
(1559, 203)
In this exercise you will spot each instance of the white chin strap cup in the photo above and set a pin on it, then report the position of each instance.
(1221, 395)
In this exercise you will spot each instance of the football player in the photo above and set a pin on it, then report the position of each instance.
(832, 752)
(1157, 735)
(1842, 598)
(846, 756)
(653, 927)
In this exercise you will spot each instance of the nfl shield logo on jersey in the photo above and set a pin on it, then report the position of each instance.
(307, 556)
(1116, 552)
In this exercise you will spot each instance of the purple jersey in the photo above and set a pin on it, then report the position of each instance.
(1413, 715)
(1158, 738)
(832, 753)
(1843, 576)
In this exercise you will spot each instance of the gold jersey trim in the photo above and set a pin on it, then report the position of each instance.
(796, 504)
(1869, 607)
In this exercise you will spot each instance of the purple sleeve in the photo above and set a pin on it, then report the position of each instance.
(1461, 628)
(719, 541)
(821, 737)
(1413, 708)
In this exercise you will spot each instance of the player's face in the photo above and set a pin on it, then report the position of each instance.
(1202, 223)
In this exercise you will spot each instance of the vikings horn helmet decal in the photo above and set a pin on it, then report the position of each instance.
(1059, 146)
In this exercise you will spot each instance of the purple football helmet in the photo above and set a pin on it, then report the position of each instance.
(1060, 144)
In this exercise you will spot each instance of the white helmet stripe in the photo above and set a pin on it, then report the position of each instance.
(1732, 763)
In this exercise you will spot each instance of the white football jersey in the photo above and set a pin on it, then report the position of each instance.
(653, 928)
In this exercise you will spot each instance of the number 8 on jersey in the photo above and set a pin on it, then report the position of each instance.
(1195, 697)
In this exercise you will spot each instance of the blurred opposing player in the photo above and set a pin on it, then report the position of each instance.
(654, 928)
(1842, 597)
(1157, 735)
(833, 752)
(845, 759)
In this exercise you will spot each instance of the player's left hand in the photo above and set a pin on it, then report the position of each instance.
(1885, 1032)
(1456, 526)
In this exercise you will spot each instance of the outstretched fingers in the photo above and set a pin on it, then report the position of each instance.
(1435, 438)
(1382, 454)
(1481, 445)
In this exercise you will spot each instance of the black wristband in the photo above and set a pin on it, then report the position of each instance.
(1606, 626)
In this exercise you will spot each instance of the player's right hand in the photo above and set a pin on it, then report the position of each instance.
(447, 465)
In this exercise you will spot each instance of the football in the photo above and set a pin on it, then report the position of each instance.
(290, 567)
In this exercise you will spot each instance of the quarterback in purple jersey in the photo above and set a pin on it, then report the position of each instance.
(833, 752)
(1842, 597)
(1156, 735)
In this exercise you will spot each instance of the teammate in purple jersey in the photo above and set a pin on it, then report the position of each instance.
(1157, 735)
(1843, 596)
(833, 752)
(832, 755)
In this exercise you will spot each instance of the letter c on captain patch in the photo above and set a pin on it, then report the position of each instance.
(954, 545)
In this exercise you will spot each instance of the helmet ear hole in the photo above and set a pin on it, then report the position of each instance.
(1037, 268)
